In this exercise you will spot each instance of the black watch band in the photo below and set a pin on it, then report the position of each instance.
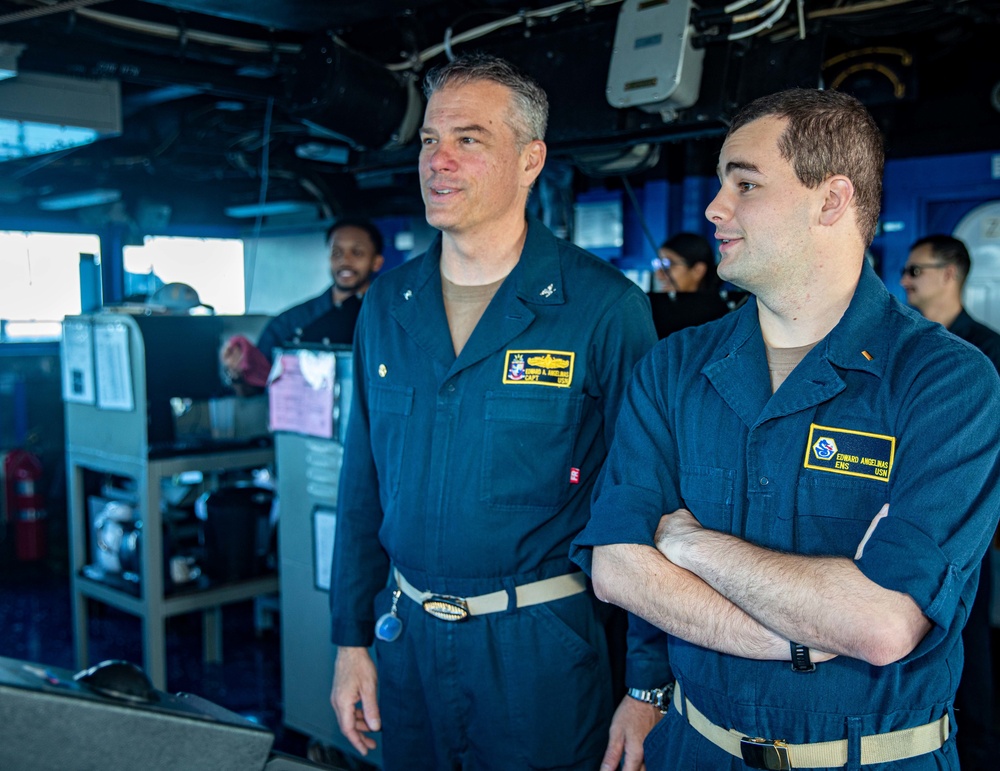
(800, 658)
(658, 697)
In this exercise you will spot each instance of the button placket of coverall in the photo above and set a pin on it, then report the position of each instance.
(854, 725)
(758, 519)
(448, 401)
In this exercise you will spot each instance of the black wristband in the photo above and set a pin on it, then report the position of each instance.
(800, 658)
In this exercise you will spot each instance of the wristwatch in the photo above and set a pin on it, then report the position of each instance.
(800, 658)
(658, 697)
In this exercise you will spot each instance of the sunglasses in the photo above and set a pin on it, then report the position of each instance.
(915, 270)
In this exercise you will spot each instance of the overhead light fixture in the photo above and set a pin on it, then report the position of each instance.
(256, 71)
(321, 151)
(270, 208)
(44, 113)
(79, 200)
(9, 53)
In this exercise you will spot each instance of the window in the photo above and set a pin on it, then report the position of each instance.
(213, 266)
(40, 282)
(598, 228)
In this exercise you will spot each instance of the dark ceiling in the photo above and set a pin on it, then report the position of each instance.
(223, 101)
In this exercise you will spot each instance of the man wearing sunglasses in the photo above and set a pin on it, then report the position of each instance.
(933, 278)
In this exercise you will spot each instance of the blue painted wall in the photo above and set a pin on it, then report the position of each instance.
(663, 209)
(929, 195)
(921, 196)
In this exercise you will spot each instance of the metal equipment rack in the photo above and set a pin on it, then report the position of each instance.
(116, 441)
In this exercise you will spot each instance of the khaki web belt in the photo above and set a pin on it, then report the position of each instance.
(758, 752)
(450, 608)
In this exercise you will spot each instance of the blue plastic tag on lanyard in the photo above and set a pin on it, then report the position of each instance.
(389, 626)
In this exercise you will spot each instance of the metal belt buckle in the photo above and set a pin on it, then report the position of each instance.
(446, 607)
(771, 754)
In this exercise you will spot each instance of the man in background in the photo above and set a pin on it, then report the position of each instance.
(329, 318)
(933, 277)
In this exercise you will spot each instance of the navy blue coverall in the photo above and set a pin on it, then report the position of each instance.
(888, 408)
(471, 475)
(312, 321)
(975, 700)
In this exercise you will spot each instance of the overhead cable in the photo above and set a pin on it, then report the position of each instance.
(47, 10)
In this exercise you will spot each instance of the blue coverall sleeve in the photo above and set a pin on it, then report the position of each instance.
(360, 565)
(638, 483)
(627, 336)
(945, 500)
(647, 664)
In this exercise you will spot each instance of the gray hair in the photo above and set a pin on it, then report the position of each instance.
(531, 106)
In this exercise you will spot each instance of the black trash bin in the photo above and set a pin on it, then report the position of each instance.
(237, 532)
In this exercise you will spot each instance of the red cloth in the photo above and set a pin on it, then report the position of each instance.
(253, 366)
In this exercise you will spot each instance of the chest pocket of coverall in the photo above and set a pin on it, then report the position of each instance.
(389, 409)
(528, 440)
(833, 511)
(707, 493)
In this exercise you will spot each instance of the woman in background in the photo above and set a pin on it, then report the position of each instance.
(686, 288)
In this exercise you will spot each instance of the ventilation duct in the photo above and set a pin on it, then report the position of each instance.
(343, 96)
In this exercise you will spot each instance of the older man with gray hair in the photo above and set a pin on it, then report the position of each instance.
(488, 376)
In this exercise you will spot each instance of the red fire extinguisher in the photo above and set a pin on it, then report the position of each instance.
(25, 503)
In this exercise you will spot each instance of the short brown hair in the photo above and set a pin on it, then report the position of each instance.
(828, 133)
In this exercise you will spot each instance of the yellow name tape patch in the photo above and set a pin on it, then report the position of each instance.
(854, 453)
(551, 368)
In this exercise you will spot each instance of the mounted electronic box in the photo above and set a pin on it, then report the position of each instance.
(654, 65)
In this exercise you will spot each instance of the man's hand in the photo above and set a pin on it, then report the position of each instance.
(674, 532)
(631, 724)
(232, 358)
(354, 680)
